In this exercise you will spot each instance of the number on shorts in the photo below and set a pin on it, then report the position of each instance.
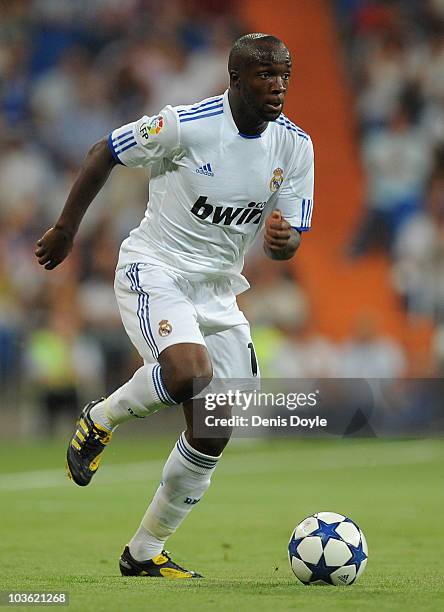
(253, 359)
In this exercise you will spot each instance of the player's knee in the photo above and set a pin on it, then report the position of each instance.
(189, 383)
(187, 377)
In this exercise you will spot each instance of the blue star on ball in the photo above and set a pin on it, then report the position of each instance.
(321, 571)
(358, 555)
(326, 531)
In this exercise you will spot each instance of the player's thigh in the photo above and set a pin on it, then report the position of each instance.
(155, 312)
(233, 356)
(234, 367)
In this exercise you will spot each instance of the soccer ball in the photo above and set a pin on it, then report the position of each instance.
(327, 548)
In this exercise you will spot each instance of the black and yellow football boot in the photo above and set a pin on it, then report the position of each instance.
(160, 567)
(86, 447)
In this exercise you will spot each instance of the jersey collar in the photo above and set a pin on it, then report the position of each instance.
(231, 122)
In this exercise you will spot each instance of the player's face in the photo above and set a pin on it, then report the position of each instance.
(265, 84)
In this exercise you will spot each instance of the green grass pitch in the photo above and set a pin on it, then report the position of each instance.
(56, 536)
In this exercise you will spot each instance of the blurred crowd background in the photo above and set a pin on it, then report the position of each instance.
(72, 71)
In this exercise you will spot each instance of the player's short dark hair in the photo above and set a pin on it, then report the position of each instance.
(250, 48)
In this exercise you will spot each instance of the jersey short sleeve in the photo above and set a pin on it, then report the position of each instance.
(295, 199)
(147, 140)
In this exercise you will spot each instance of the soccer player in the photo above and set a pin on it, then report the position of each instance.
(221, 170)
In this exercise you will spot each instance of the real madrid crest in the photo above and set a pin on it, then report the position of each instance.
(165, 328)
(276, 179)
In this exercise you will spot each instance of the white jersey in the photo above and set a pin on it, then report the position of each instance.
(211, 187)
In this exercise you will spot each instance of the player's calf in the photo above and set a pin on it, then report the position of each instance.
(207, 439)
(209, 446)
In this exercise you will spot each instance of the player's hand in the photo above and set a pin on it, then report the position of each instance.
(53, 247)
(277, 231)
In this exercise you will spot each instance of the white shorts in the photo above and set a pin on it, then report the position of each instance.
(160, 308)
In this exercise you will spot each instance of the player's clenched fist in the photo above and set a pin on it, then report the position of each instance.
(53, 247)
(280, 239)
(277, 231)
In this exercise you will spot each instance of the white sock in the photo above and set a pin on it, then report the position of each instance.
(185, 478)
(144, 394)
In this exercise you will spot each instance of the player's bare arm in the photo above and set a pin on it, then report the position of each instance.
(281, 241)
(56, 244)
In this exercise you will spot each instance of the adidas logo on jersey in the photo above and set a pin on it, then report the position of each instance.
(205, 169)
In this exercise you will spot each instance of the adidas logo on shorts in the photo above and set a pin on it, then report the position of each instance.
(205, 169)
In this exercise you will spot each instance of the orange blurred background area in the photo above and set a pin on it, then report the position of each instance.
(364, 296)
(348, 292)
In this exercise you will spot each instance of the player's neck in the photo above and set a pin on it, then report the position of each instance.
(245, 122)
